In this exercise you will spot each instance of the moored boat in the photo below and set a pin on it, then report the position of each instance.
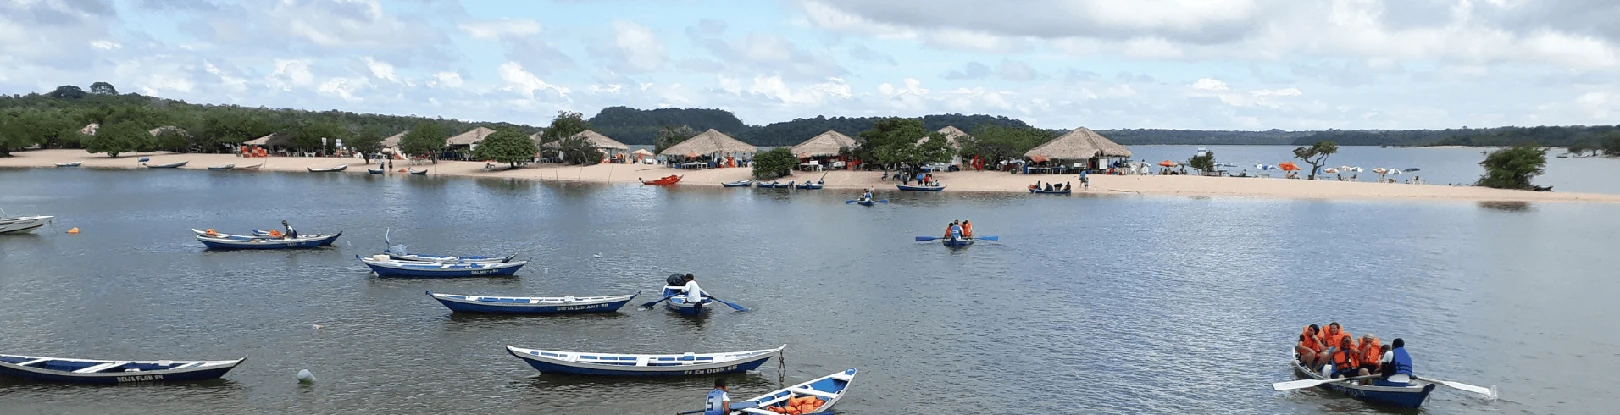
(918, 188)
(165, 166)
(221, 168)
(56, 369)
(70, 164)
(532, 305)
(22, 225)
(399, 253)
(239, 242)
(388, 267)
(665, 181)
(253, 167)
(417, 172)
(1409, 396)
(1051, 192)
(739, 183)
(809, 186)
(614, 364)
(826, 391)
(374, 171)
(338, 168)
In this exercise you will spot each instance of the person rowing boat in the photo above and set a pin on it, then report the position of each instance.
(866, 197)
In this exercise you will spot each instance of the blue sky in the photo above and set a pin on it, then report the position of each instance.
(1189, 64)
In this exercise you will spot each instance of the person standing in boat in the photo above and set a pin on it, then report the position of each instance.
(718, 402)
(291, 233)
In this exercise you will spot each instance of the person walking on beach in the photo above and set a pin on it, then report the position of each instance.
(717, 403)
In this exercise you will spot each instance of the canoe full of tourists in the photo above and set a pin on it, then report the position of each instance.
(958, 234)
(1331, 358)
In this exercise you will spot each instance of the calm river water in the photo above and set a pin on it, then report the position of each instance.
(1106, 304)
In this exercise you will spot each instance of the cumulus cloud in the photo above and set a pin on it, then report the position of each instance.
(636, 47)
(761, 53)
(496, 29)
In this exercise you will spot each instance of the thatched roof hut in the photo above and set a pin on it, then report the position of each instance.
(1082, 143)
(596, 139)
(261, 141)
(710, 143)
(826, 144)
(951, 134)
(469, 138)
(90, 129)
(393, 140)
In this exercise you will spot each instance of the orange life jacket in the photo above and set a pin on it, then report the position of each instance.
(1371, 351)
(1310, 340)
(1345, 358)
(1332, 337)
(967, 230)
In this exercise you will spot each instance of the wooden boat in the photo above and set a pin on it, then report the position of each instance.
(22, 225)
(388, 267)
(809, 186)
(70, 164)
(221, 168)
(1409, 396)
(739, 183)
(532, 305)
(57, 369)
(911, 188)
(210, 233)
(340, 167)
(399, 253)
(417, 172)
(165, 166)
(253, 167)
(667, 180)
(772, 185)
(677, 302)
(866, 202)
(238, 242)
(957, 243)
(614, 364)
(1066, 190)
(375, 171)
(827, 390)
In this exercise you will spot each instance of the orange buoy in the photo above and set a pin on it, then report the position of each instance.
(74, 231)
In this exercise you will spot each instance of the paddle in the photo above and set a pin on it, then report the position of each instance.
(1306, 383)
(655, 302)
(1489, 393)
(980, 238)
(879, 201)
(988, 238)
(733, 305)
(928, 238)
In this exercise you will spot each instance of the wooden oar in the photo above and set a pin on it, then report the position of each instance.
(928, 238)
(653, 303)
(733, 305)
(1306, 383)
(1489, 393)
(987, 238)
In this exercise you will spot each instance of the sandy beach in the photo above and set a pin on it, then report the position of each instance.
(843, 180)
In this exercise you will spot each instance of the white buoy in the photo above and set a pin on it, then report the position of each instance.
(305, 377)
(598, 254)
(317, 326)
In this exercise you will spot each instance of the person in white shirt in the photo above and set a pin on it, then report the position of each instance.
(694, 294)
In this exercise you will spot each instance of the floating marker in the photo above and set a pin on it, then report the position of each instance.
(305, 377)
(74, 231)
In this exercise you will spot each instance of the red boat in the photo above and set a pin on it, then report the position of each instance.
(667, 180)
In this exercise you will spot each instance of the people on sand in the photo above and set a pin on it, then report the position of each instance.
(1397, 370)
(717, 403)
(291, 233)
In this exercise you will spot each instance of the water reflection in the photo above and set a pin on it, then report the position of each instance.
(1515, 207)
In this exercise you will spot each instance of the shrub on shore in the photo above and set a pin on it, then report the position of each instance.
(1513, 168)
(774, 164)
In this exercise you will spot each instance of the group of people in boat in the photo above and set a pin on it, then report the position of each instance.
(1051, 187)
(959, 230)
(1335, 353)
(866, 197)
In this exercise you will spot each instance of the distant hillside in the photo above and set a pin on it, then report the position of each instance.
(1549, 136)
(635, 126)
(1203, 137)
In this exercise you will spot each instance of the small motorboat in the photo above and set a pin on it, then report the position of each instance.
(417, 172)
(338, 168)
(665, 181)
(613, 364)
(375, 171)
(1409, 396)
(165, 166)
(389, 267)
(399, 253)
(919, 188)
(222, 168)
(57, 369)
(739, 183)
(22, 225)
(239, 242)
(814, 396)
(70, 164)
(532, 305)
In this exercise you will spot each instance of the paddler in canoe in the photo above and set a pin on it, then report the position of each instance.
(866, 197)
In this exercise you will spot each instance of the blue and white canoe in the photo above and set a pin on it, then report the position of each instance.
(613, 364)
(1409, 396)
(911, 188)
(829, 389)
(957, 243)
(236, 242)
(57, 369)
(532, 305)
(809, 186)
(677, 302)
(739, 183)
(389, 267)
(399, 253)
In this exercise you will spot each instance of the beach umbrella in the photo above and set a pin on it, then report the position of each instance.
(1393, 171)
(1380, 170)
(1264, 167)
(642, 152)
(1038, 159)
(1167, 163)
(1287, 166)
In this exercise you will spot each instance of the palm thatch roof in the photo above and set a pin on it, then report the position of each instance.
(826, 144)
(1082, 143)
(90, 129)
(261, 141)
(710, 142)
(951, 134)
(393, 140)
(596, 139)
(167, 128)
(473, 136)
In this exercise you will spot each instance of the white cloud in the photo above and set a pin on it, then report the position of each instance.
(1208, 84)
(641, 49)
(1285, 92)
(809, 95)
(526, 83)
(381, 70)
(446, 79)
(290, 73)
(105, 44)
(344, 88)
(495, 29)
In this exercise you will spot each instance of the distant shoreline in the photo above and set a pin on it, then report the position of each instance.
(848, 181)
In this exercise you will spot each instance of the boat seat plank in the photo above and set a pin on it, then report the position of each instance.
(841, 376)
(100, 367)
(33, 361)
(758, 411)
(813, 392)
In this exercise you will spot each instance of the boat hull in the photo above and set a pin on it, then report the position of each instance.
(328, 170)
(865, 202)
(1411, 396)
(743, 183)
(830, 389)
(668, 180)
(49, 372)
(407, 269)
(531, 305)
(255, 243)
(607, 364)
(1049, 192)
(677, 303)
(374, 171)
(958, 243)
(167, 166)
(222, 168)
(909, 188)
(23, 225)
(447, 258)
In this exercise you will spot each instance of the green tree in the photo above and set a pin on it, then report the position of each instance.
(996, 143)
(1316, 155)
(1204, 163)
(506, 146)
(1611, 145)
(1513, 168)
(425, 138)
(894, 141)
(774, 164)
(222, 126)
(170, 139)
(366, 141)
(670, 135)
(309, 135)
(578, 150)
(103, 88)
(15, 134)
(118, 138)
(565, 125)
(70, 92)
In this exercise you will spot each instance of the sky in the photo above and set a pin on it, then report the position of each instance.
(1103, 64)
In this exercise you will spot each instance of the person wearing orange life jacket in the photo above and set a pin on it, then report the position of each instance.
(1310, 346)
(1331, 335)
(948, 229)
(1371, 352)
(967, 229)
(1346, 360)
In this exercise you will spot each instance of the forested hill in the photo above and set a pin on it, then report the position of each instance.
(635, 126)
(1550, 136)
(1202, 137)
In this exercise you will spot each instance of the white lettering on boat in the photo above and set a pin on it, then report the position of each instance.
(580, 307)
(140, 378)
(710, 371)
